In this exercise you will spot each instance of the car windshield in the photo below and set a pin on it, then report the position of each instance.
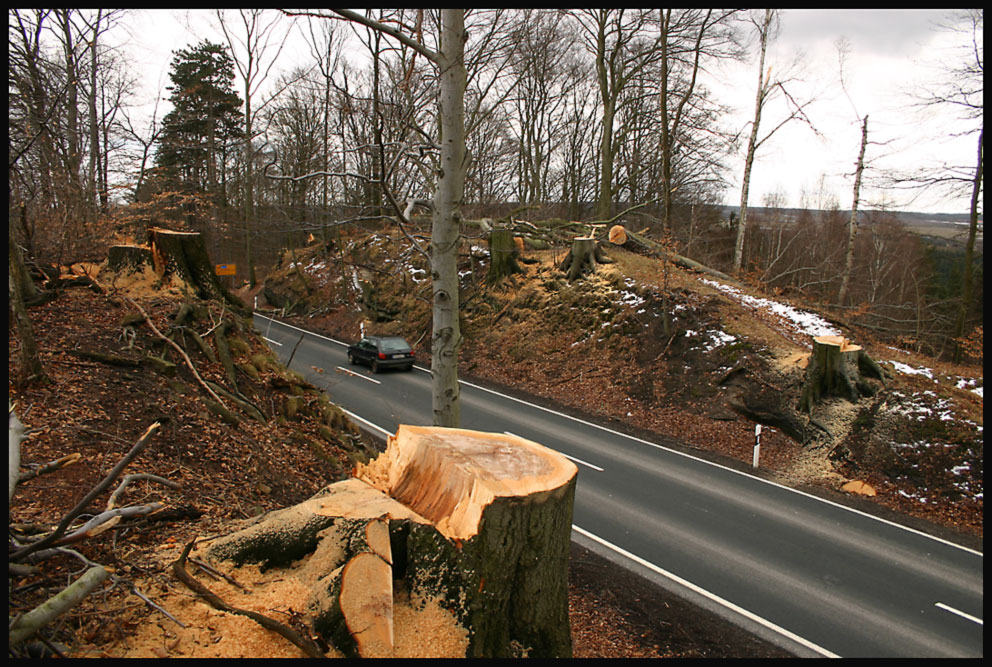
(393, 345)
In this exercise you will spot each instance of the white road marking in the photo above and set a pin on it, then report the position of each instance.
(675, 451)
(375, 427)
(708, 595)
(272, 341)
(637, 559)
(572, 458)
(357, 375)
(960, 613)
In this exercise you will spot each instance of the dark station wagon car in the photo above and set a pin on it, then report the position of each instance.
(378, 352)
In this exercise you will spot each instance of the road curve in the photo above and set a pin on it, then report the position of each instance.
(815, 577)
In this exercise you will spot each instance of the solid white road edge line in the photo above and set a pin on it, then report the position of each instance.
(651, 566)
(675, 451)
(973, 619)
(710, 596)
(375, 427)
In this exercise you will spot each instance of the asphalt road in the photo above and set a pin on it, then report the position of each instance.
(813, 576)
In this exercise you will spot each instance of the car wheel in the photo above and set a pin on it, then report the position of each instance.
(408, 368)
(375, 367)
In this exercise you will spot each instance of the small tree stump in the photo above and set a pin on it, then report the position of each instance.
(583, 257)
(480, 522)
(837, 368)
(128, 258)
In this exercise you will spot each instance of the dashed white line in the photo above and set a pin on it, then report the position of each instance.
(973, 619)
(275, 342)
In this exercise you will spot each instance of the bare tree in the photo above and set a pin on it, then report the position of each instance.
(852, 225)
(623, 48)
(958, 87)
(688, 38)
(255, 48)
(449, 60)
(769, 88)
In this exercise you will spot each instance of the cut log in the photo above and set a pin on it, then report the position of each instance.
(583, 257)
(478, 522)
(637, 239)
(618, 235)
(837, 368)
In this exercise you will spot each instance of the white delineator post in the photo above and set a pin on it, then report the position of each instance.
(757, 445)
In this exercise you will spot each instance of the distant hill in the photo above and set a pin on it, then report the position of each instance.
(941, 229)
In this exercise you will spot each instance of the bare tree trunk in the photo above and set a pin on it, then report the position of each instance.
(852, 226)
(752, 142)
(446, 224)
(969, 253)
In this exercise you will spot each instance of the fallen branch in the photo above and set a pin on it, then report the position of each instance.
(51, 466)
(105, 521)
(181, 351)
(20, 554)
(304, 644)
(134, 478)
(33, 621)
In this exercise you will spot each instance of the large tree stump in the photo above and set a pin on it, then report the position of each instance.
(125, 259)
(583, 257)
(479, 522)
(503, 253)
(183, 256)
(837, 368)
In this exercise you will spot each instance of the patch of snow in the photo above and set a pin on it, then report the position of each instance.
(800, 320)
(965, 383)
(906, 369)
(718, 338)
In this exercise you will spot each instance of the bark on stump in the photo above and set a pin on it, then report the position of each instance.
(128, 258)
(583, 257)
(183, 255)
(479, 521)
(503, 253)
(837, 368)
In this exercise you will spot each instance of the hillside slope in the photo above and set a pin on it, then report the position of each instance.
(221, 470)
(645, 345)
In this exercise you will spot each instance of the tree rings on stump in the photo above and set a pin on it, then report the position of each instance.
(476, 523)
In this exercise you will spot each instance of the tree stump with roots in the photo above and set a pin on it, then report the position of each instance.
(480, 522)
(503, 254)
(178, 256)
(837, 368)
(583, 257)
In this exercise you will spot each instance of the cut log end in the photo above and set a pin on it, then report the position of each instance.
(449, 476)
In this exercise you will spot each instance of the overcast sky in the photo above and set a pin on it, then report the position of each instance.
(891, 51)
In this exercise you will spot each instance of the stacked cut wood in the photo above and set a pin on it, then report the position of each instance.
(479, 522)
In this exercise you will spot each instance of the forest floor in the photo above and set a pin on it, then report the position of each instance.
(594, 349)
(225, 474)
